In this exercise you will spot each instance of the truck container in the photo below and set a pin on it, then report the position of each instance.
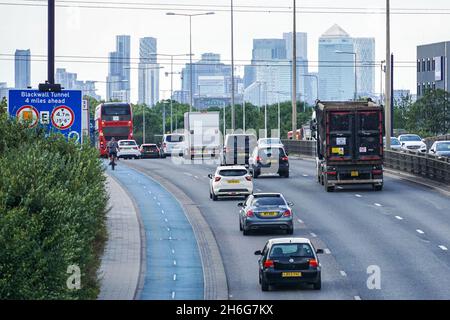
(202, 133)
(349, 139)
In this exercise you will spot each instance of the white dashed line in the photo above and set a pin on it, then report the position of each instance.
(173, 294)
(343, 273)
(162, 211)
(327, 251)
(339, 187)
(443, 247)
(313, 235)
(195, 177)
(174, 262)
(378, 204)
(420, 231)
(259, 190)
(174, 277)
(398, 218)
(357, 297)
(168, 229)
(305, 175)
(165, 220)
(358, 195)
(188, 174)
(173, 251)
(300, 221)
(159, 203)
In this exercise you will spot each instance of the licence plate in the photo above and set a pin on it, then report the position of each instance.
(233, 181)
(291, 274)
(268, 214)
(355, 173)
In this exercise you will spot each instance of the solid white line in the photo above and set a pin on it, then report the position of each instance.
(327, 251)
(300, 221)
(443, 247)
(357, 297)
(343, 273)
(173, 294)
(420, 231)
(358, 195)
(377, 204)
(398, 218)
(313, 234)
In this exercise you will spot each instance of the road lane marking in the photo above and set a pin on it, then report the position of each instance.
(168, 229)
(378, 204)
(173, 294)
(300, 221)
(173, 251)
(165, 220)
(357, 297)
(420, 231)
(398, 218)
(174, 262)
(443, 247)
(159, 203)
(195, 177)
(343, 273)
(305, 175)
(188, 174)
(313, 234)
(259, 190)
(358, 195)
(327, 251)
(174, 277)
(339, 187)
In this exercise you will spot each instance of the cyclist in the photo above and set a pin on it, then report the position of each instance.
(113, 147)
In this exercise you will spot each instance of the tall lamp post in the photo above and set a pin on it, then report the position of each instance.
(190, 46)
(355, 95)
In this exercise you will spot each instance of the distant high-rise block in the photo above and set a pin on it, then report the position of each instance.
(22, 63)
(336, 70)
(365, 67)
(118, 78)
(148, 73)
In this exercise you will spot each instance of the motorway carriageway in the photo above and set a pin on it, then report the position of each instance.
(403, 230)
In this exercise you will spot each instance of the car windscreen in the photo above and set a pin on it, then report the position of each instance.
(233, 172)
(395, 142)
(410, 138)
(270, 152)
(443, 146)
(127, 143)
(174, 138)
(291, 250)
(116, 110)
(270, 141)
(268, 201)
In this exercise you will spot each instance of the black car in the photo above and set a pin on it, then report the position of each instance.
(266, 211)
(149, 150)
(269, 159)
(289, 261)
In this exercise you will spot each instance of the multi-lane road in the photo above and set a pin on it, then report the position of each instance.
(404, 231)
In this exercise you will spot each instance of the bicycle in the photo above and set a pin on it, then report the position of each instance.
(112, 162)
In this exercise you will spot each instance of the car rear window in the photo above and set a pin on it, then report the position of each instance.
(286, 250)
(271, 152)
(149, 148)
(127, 143)
(233, 172)
(174, 138)
(443, 146)
(268, 201)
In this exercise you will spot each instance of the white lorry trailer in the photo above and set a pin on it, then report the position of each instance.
(203, 134)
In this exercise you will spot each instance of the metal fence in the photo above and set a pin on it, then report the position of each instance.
(425, 165)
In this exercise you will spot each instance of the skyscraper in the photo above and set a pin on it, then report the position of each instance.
(118, 80)
(69, 81)
(22, 68)
(148, 73)
(336, 70)
(365, 67)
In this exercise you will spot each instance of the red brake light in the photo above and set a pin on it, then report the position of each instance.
(377, 171)
(258, 158)
(248, 178)
(217, 179)
(285, 158)
(331, 173)
(313, 263)
(287, 213)
(250, 213)
(268, 263)
(135, 148)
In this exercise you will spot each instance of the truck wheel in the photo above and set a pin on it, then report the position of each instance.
(378, 187)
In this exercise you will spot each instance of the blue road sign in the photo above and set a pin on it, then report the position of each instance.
(56, 111)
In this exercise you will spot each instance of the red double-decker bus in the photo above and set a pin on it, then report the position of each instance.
(112, 119)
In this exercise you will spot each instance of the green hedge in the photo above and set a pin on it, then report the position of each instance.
(52, 214)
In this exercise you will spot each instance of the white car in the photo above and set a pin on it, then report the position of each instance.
(173, 143)
(412, 142)
(128, 149)
(270, 142)
(230, 181)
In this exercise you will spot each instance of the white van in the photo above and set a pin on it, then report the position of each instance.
(237, 148)
(173, 143)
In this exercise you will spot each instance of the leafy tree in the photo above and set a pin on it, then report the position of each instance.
(3, 106)
(402, 108)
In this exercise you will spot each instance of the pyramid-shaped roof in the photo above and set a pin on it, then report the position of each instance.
(335, 32)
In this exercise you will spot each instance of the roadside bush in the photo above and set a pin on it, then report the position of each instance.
(52, 214)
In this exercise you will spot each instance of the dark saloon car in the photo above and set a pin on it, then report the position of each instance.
(289, 261)
(269, 160)
(149, 150)
(266, 211)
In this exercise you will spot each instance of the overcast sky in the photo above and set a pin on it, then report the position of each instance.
(91, 32)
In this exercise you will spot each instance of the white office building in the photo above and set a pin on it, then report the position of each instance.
(148, 73)
(365, 67)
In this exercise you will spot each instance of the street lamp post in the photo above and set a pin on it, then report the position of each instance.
(232, 69)
(190, 46)
(355, 95)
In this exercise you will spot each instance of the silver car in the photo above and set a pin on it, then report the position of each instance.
(263, 211)
(440, 149)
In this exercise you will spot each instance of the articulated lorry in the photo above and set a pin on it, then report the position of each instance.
(202, 133)
(349, 139)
